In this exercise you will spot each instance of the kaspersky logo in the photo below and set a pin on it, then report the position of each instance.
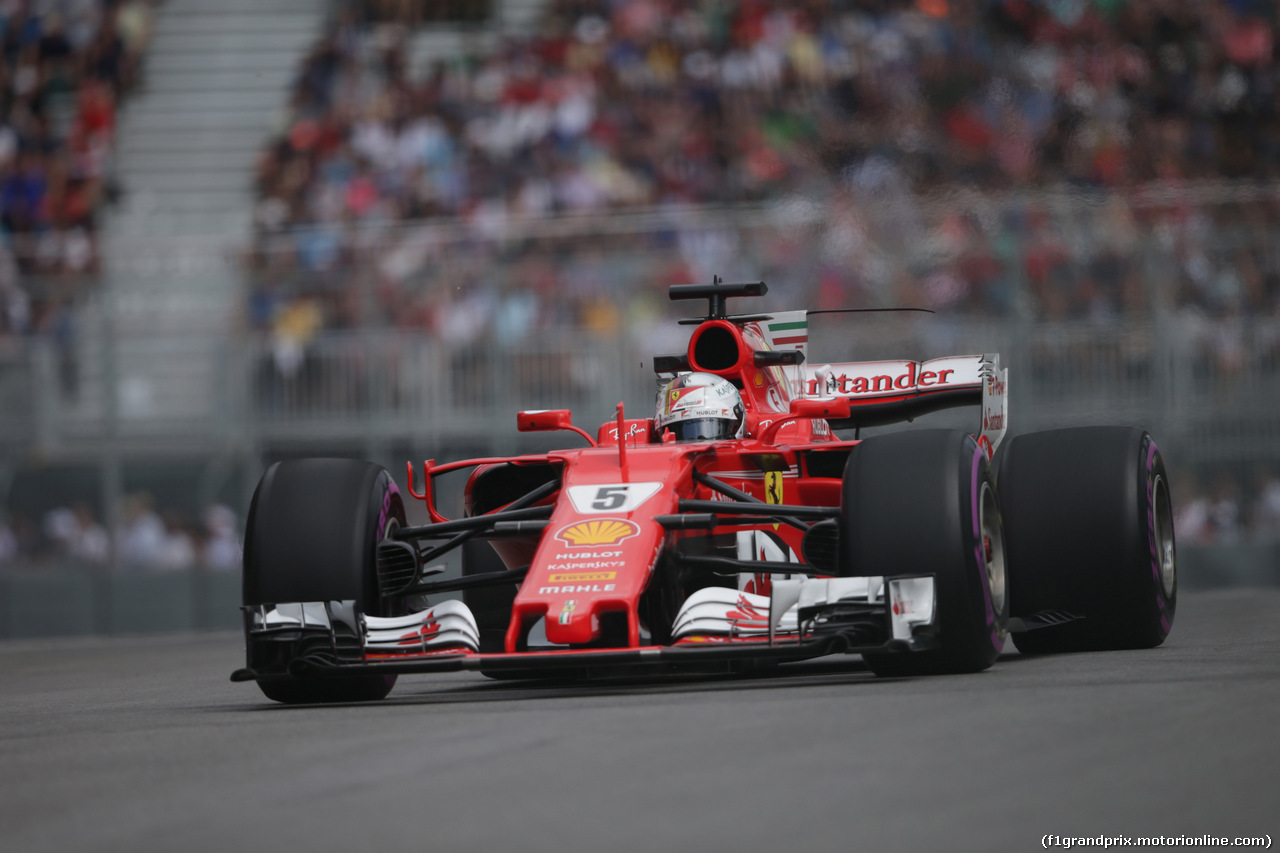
(597, 531)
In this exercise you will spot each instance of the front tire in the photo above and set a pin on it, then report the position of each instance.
(311, 536)
(924, 502)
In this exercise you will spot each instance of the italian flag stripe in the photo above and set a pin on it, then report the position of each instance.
(792, 340)
(786, 327)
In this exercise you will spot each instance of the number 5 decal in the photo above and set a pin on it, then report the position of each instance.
(611, 497)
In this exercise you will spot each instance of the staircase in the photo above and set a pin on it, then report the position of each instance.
(214, 85)
(162, 330)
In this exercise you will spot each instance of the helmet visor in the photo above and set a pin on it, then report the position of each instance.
(703, 429)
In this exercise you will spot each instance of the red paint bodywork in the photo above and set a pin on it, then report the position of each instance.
(573, 607)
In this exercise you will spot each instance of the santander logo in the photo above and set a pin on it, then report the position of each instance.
(914, 376)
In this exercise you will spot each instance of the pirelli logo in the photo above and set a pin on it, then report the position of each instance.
(582, 577)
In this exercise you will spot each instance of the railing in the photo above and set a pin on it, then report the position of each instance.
(406, 387)
(453, 326)
(17, 395)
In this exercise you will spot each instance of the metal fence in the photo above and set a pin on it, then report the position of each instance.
(408, 388)
(1157, 308)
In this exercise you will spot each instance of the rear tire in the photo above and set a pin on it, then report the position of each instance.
(1090, 531)
(923, 502)
(311, 535)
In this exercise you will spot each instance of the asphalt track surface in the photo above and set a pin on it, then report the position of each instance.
(141, 744)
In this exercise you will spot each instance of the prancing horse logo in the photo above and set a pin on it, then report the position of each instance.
(773, 488)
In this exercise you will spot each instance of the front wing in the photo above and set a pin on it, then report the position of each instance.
(799, 621)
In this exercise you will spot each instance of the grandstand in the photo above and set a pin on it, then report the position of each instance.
(379, 228)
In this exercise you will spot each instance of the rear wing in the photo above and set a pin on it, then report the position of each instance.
(882, 392)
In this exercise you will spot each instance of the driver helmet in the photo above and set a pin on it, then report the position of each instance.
(699, 407)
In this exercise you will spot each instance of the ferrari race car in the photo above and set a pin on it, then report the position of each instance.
(731, 531)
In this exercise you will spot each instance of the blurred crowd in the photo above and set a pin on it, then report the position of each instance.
(984, 156)
(1094, 161)
(65, 65)
(1219, 510)
(146, 540)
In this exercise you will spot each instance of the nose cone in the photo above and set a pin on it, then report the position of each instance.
(599, 551)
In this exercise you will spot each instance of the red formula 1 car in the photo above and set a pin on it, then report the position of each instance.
(731, 530)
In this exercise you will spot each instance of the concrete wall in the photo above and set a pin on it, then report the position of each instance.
(1244, 564)
(73, 601)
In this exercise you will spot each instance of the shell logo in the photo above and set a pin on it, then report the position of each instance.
(598, 531)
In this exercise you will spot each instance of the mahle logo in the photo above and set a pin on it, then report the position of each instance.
(600, 531)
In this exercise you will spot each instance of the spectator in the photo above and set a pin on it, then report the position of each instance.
(177, 550)
(222, 550)
(146, 540)
(610, 106)
(1266, 509)
(51, 183)
(89, 540)
(1224, 510)
(8, 543)
(142, 536)
(60, 529)
(1193, 513)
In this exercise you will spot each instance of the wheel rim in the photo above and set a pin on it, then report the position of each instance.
(1162, 518)
(992, 546)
